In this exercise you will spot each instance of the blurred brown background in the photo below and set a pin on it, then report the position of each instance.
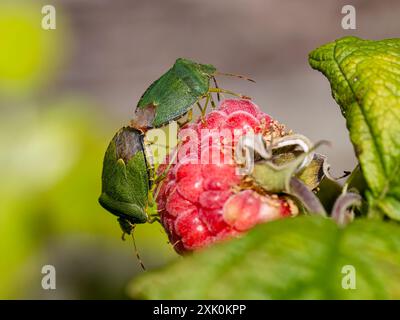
(64, 92)
(121, 46)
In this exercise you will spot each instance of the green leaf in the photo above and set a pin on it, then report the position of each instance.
(365, 81)
(300, 258)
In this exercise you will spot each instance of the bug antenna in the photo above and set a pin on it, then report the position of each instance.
(216, 85)
(137, 253)
(235, 75)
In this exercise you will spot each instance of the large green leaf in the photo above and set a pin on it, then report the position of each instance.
(300, 258)
(365, 81)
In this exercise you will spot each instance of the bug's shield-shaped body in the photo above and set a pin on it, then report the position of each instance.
(173, 94)
(125, 178)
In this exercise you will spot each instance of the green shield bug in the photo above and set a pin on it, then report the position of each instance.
(126, 179)
(176, 91)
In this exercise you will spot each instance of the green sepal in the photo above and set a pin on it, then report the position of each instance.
(274, 175)
(286, 178)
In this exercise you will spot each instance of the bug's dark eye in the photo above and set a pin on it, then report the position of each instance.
(128, 142)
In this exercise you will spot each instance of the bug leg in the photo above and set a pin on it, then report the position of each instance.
(159, 179)
(154, 218)
(188, 119)
(213, 105)
(216, 86)
(163, 174)
(220, 90)
(202, 111)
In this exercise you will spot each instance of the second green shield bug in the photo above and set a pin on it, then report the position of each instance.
(126, 178)
(175, 92)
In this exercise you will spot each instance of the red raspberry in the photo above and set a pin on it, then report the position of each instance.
(201, 203)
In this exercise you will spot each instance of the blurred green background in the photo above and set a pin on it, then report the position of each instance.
(52, 145)
(64, 93)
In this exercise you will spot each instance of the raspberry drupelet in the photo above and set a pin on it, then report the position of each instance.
(202, 201)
